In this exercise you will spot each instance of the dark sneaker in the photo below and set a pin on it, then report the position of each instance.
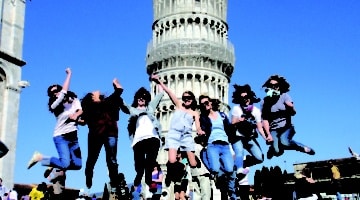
(218, 181)
(48, 172)
(270, 153)
(88, 181)
(167, 181)
(309, 151)
(240, 176)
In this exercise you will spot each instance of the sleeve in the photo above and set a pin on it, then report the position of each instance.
(125, 108)
(77, 104)
(287, 98)
(155, 102)
(257, 114)
(236, 112)
(115, 96)
(59, 99)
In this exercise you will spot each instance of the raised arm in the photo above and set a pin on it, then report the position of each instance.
(62, 93)
(172, 96)
(66, 83)
(118, 91)
(116, 83)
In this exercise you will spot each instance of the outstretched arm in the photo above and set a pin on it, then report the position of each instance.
(172, 96)
(66, 83)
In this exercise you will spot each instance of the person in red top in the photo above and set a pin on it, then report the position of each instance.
(101, 114)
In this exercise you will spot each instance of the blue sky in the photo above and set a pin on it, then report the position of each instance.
(314, 44)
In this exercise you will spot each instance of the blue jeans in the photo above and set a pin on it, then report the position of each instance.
(212, 157)
(67, 146)
(283, 140)
(253, 147)
(95, 143)
(219, 153)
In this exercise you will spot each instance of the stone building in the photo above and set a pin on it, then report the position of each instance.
(12, 14)
(190, 50)
(349, 169)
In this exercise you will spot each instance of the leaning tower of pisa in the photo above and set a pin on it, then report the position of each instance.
(190, 50)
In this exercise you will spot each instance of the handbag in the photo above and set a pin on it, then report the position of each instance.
(153, 186)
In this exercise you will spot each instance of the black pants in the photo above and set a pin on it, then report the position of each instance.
(95, 144)
(145, 154)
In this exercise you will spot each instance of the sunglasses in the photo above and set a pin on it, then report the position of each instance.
(245, 97)
(54, 91)
(186, 98)
(205, 103)
(273, 85)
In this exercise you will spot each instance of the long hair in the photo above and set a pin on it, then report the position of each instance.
(87, 104)
(236, 96)
(60, 108)
(284, 86)
(202, 108)
(141, 92)
(193, 105)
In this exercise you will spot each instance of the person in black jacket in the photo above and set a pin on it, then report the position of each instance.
(101, 114)
(218, 129)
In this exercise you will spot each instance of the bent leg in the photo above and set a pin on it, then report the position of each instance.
(254, 149)
(238, 148)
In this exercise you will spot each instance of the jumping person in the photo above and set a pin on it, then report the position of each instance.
(144, 131)
(247, 120)
(67, 110)
(277, 110)
(101, 114)
(180, 130)
(218, 157)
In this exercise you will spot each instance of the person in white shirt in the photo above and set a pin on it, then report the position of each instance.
(66, 107)
(246, 118)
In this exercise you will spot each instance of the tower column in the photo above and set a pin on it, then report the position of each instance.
(11, 42)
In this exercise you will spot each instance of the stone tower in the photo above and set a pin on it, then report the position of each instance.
(12, 14)
(190, 50)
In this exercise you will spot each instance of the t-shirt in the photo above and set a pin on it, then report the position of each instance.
(63, 124)
(237, 112)
(280, 120)
(218, 132)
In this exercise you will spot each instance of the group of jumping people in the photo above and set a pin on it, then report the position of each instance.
(218, 132)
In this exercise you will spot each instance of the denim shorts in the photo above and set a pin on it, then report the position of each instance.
(176, 140)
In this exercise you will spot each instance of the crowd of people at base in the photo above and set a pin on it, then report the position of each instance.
(217, 134)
